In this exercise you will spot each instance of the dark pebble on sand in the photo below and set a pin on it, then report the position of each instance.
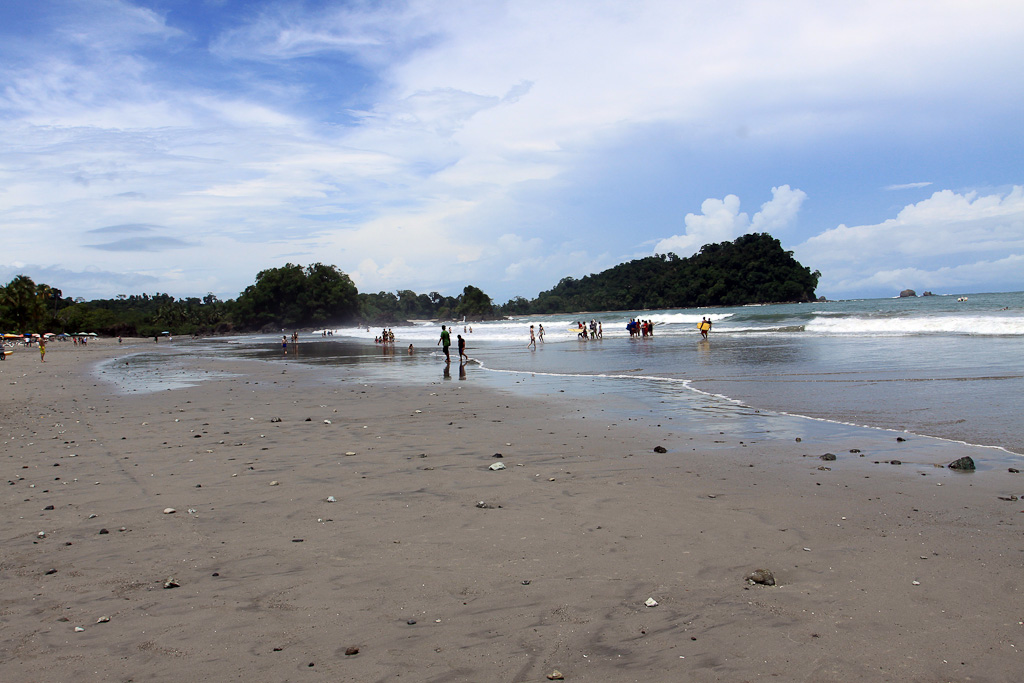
(411, 622)
(828, 456)
(1014, 470)
(526, 582)
(48, 507)
(660, 449)
(51, 571)
(497, 455)
(351, 651)
(900, 439)
(104, 531)
(895, 462)
(298, 540)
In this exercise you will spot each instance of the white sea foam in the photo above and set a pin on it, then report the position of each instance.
(987, 325)
(685, 318)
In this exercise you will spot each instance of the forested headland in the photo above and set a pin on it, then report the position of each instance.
(752, 269)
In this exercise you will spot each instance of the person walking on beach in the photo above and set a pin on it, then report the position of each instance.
(533, 340)
(462, 349)
(445, 341)
(42, 349)
(540, 332)
(284, 344)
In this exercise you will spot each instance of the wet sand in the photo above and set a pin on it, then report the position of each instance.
(884, 572)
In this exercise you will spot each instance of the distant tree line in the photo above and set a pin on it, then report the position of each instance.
(751, 269)
(289, 297)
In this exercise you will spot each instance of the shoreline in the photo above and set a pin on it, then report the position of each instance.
(585, 523)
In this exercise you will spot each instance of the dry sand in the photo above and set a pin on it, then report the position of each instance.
(885, 573)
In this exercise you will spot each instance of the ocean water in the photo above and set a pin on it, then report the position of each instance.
(932, 366)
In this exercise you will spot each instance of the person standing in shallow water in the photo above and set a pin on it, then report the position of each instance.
(533, 339)
(445, 341)
(705, 325)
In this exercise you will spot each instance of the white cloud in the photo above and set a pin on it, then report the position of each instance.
(720, 220)
(980, 235)
(906, 186)
(464, 110)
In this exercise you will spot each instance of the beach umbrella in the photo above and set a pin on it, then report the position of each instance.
(93, 334)
(9, 335)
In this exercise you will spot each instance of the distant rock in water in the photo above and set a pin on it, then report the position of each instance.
(927, 293)
(907, 292)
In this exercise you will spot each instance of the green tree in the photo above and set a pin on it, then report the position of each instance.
(292, 296)
(24, 305)
(474, 303)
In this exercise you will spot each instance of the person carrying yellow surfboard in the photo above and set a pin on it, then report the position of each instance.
(704, 327)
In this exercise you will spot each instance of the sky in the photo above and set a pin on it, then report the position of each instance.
(184, 146)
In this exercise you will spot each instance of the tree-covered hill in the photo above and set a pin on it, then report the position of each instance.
(752, 269)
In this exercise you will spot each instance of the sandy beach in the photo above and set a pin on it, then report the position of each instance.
(430, 566)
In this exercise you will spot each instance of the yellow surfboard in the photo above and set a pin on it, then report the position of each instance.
(704, 326)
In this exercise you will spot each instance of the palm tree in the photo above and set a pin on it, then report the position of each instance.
(24, 306)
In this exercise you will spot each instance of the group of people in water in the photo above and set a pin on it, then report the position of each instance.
(592, 331)
(640, 328)
(295, 342)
